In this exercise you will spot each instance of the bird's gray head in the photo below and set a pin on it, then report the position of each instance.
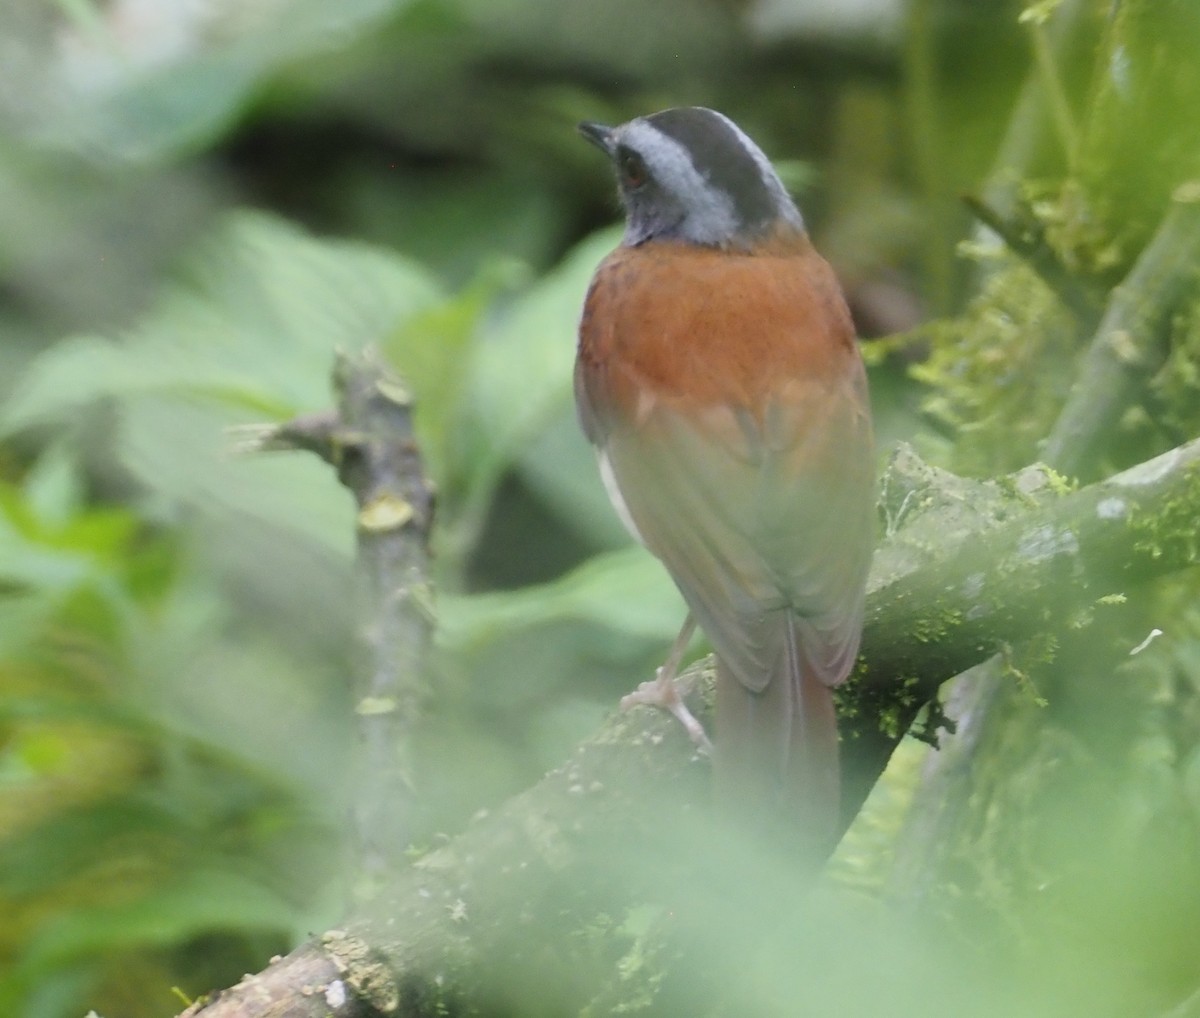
(692, 174)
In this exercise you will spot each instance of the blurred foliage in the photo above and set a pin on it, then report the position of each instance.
(998, 375)
(201, 200)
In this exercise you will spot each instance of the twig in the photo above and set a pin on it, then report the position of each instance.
(1128, 345)
(1026, 241)
(370, 441)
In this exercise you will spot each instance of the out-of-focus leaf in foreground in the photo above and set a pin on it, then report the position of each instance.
(136, 82)
(247, 332)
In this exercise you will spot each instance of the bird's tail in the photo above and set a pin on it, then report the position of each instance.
(776, 759)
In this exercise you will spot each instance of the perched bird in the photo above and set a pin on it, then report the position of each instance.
(719, 380)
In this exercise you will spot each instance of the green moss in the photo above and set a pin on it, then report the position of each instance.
(1068, 221)
(850, 695)
(890, 722)
(1081, 618)
(996, 374)
(936, 624)
(638, 973)
(1169, 529)
(1176, 385)
(1056, 483)
(886, 706)
(903, 700)
(1019, 665)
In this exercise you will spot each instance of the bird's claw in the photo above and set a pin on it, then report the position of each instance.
(664, 693)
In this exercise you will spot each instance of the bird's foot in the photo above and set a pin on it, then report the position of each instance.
(665, 692)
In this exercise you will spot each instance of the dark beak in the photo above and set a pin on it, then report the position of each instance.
(599, 135)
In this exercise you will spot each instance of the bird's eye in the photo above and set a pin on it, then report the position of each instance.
(632, 168)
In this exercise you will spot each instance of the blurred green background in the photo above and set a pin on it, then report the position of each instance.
(200, 200)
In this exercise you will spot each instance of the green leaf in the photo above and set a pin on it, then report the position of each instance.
(1038, 13)
(200, 901)
(180, 80)
(40, 554)
(561, 467)
(430, 349)
(520, 382)
(53, 488)
(248, 331)
(627, 591)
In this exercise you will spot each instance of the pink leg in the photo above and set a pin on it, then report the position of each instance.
(663, 690)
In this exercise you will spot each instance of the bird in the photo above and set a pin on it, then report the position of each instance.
(719, 379)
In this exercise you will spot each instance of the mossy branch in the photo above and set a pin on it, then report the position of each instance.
(967, 567)
(1127, 346)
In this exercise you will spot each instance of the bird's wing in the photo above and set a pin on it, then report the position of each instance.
(755, 521)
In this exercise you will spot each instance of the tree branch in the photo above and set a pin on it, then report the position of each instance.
(968, 566)
(1129, 344)
(369, 440)
(1026, 238)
